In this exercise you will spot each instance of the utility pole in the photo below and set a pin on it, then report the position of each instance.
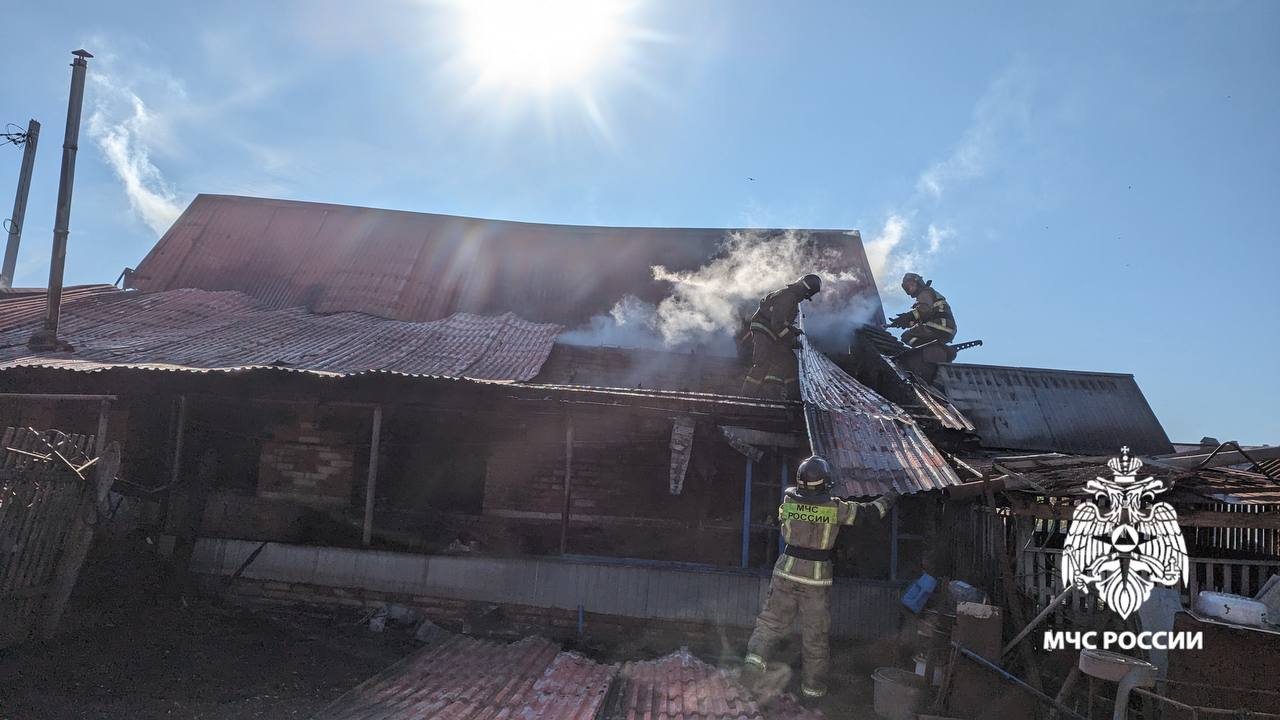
(46, 338)
(19, 205)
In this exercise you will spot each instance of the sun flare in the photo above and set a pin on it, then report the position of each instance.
(545, 43)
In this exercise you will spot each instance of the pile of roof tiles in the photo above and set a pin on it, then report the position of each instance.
(461, 677)
(682, 687)
(458, 677)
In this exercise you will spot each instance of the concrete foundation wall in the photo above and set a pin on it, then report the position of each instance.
(861, 609)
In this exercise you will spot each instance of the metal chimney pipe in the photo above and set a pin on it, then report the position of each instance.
(19, 205)
(46, 338)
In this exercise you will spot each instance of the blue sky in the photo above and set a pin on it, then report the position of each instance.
(1092, 186)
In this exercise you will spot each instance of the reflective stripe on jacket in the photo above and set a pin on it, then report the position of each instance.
(932, 310)
(777, 313)
(814, 523)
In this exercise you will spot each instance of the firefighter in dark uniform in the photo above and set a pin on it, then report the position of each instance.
(930, 318)
(775, 372)
(801, 585)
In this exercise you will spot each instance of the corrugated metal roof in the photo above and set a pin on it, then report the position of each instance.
(941, 409)
(462, 677)
(1054, 410)
(682, 687)
(199, 329)
(24, 305)
(417, 266)
(873, 444)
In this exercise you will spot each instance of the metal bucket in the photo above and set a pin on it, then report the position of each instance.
(899, 694)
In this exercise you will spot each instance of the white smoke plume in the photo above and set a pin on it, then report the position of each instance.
(1000, 118)
(706, 306)
(122, 126)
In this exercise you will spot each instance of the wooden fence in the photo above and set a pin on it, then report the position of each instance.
(47, 511)
(1039, 578)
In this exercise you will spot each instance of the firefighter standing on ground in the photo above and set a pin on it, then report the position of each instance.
(929, 319)
(801, 585)
(775, 372)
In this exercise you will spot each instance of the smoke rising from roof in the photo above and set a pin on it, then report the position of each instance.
(705, 307)
(122, 126)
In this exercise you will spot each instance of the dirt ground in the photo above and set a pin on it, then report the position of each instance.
(128, 650)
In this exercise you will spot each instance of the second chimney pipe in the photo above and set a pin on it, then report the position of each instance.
(46, 338)
(19, 205)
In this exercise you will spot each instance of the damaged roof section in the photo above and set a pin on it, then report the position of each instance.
(873, 444)
(1064, 411)
(920, 399)
(200, 329)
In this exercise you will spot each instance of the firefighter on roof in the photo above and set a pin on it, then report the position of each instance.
(775, 372)
(930, 318)
(801, 585)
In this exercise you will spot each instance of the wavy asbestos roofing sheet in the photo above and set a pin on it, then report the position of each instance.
(24, 305)
(682, 687)
(872, 444)
(462, 677)
(418, 266)
(1064, 411)
(204, 330)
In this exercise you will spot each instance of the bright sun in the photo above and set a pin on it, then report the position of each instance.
(545, 43)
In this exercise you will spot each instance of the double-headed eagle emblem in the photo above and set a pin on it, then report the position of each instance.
(1124, 543)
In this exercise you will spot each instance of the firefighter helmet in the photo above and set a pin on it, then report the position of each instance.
(814, 476)
(812, 284)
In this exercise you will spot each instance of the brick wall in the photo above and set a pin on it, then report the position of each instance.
(306, 463)
(620, 500)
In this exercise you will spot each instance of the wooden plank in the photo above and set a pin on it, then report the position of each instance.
(371, 483)
(53, 517)
(78, 540)
(566, 508)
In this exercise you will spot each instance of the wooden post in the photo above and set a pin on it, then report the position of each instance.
(372, 484)
(746, 516)
(568, 478)
(99, 446)
(782, 497)
(187, 532)
(79, 539)
(893, 550)
(180, 429)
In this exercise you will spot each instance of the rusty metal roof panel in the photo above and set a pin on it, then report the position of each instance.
(200, 329)
(1054, 410)
(25, 305)
(941, 409)
(418, 266)
(873, 444)
(461, 677)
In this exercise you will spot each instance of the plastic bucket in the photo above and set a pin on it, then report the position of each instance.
(899, 694)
